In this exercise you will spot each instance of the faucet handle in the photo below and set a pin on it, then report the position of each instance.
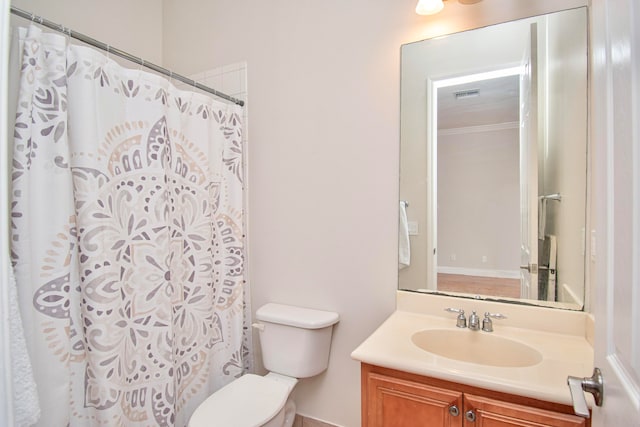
(461, 320)
(487, 324)
(498, 316)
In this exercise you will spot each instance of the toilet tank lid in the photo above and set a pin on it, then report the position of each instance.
(299, 317)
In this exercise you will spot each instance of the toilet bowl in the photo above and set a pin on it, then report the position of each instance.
(295, 344)
(249, 401)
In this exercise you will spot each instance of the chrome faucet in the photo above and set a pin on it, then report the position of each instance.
(461, 320)
(487, 324)
(474, 319)
(474, 322)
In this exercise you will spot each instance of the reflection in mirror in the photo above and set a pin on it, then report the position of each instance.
(493, 162)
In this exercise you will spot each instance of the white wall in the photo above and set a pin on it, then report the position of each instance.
(133, 26)
(483, 168)
(323, 79)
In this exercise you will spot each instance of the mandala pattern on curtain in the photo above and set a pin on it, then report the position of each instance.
(127, 239)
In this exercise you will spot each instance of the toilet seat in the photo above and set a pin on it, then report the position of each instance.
(249, 401)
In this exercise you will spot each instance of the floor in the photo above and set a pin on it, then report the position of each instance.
(494, 286)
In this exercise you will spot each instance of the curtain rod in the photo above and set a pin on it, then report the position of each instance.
(111, 50)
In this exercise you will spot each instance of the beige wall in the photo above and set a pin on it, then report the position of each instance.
(483, 168)
(565, 157)
(133, 26)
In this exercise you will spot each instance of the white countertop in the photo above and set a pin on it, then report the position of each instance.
(563, 353)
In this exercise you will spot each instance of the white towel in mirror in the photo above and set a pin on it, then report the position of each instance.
(404, 245)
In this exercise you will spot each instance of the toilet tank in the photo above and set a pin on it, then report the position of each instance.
(295, 341)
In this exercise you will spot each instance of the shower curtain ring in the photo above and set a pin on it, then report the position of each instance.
(35, 18)
(65, 31)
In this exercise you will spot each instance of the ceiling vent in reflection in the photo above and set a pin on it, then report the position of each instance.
(469, 93)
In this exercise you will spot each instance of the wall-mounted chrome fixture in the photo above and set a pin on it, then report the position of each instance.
(431, 7)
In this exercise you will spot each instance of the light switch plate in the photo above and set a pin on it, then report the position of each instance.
(413, 228)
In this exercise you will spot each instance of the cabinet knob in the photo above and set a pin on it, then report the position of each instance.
(470, 416)
(454, 411)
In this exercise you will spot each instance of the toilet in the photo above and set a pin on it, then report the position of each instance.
(295, 344)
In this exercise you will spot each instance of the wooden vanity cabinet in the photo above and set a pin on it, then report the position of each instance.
(393, 402)
(393, 398)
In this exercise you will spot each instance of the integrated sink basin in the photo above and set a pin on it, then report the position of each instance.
(476, 347)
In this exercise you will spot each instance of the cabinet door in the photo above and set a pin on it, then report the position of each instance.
(495, 413)
(393, 402)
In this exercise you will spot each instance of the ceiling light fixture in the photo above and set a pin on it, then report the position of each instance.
(429, 7)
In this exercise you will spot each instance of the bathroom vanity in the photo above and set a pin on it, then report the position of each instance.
(419, 368)
(396, 398)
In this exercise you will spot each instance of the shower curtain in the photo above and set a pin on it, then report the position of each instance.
(126, 239)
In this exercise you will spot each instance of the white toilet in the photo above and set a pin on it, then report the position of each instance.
(295, 343)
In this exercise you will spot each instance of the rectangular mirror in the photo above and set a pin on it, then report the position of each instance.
(493, 162)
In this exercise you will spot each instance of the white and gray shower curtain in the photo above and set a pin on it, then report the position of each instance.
(126, 239)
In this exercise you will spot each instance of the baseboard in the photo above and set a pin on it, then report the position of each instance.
(502, 274)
